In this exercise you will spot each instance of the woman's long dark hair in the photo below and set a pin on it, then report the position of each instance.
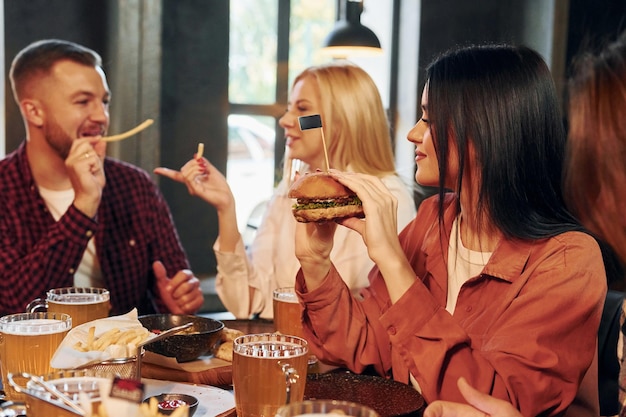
(502, 99)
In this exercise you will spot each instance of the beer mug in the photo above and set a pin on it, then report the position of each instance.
(269, 371)
(319, 408)
(288, 317)
(81, 388)
(28, 342)
(287, 312)
(82, 304)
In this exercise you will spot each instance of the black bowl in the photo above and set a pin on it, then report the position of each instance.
(187, 345)
(191, 401)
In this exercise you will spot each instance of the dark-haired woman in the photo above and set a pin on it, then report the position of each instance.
(494, 280)
(594, 187)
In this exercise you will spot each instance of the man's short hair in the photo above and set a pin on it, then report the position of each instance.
(39, 57)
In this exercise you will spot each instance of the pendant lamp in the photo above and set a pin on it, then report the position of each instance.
(349, 37)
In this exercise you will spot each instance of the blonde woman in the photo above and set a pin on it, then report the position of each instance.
(356, 132)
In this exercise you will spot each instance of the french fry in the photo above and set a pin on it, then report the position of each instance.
(126, 337)
(102, 411)
(154, 406)
(80, 347)
(114, 340)
(108, 338)
(129, 133)
(200, 150)
(182, 411)
(91, 335)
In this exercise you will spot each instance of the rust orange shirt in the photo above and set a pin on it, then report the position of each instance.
(524, 329)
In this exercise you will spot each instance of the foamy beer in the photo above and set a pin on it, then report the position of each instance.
(28, 342)
(287, 312)
(322, 408)
(40, 402)
(269, 371)
(82, 304)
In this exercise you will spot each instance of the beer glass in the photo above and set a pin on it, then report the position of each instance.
(83, 304)
(40, 402)
(319, 408)
(269, 371)
(287, 312)
(28, 342)
(288, 316)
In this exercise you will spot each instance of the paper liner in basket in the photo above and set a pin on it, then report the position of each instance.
(67, 357)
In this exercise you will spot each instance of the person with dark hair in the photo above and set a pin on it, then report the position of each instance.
(595, 174)
(494, 280)
(69, 215)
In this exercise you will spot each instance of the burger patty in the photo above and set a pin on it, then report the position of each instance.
(305, 204)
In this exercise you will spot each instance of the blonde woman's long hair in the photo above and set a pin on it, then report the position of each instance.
(356, 129)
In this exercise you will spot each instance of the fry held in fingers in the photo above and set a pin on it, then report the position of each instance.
(200, 150)
(129, 133)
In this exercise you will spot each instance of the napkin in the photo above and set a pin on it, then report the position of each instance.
(67, 357)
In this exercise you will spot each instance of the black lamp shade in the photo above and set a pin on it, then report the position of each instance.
(350, 37)
(351, 34)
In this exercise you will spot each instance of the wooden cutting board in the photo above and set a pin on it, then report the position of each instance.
(208, 371)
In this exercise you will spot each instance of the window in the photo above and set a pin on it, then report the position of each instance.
(261, 69)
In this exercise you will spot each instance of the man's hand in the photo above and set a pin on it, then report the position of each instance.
(181, 293)
(85, 169)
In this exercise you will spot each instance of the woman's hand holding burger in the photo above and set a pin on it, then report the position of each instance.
(379, 228)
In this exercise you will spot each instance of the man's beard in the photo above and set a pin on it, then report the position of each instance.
(57, 139)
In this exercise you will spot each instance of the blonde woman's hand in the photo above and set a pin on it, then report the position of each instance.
(203, 180)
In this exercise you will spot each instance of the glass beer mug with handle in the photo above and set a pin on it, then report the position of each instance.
(269, 371)
(28, 342)
(83, 304)
(288, 316)
(321, 408)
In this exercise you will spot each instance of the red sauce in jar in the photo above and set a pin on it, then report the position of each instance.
(171, 404)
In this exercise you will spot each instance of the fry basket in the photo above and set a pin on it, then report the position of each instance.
(121, 367)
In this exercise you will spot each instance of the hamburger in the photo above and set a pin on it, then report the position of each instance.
(319, 198)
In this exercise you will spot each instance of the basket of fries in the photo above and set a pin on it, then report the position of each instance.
(107, 347)
(120, 367)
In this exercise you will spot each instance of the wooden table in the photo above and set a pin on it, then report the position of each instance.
(267, 326)
(251, 326)
(379, 390)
